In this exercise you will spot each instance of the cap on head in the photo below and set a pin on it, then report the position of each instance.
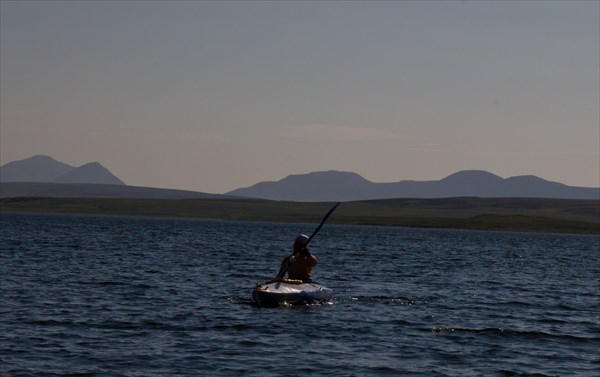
(301, 240)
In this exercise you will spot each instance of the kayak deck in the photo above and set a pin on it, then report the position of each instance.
(279, 292)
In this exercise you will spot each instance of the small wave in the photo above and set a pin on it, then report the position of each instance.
(235, 326)
(103, 283)
(117, 325)
(146, 326)
(109, 283)
(384, 299)
(510, 373)
(511, 303)
(532, 334)
(248, 301)
(240, 300)
(50, 322)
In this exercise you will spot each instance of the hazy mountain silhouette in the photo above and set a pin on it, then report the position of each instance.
(89, 173)
(33, 169)
(336, 185)
(313, 187)
(46, 169)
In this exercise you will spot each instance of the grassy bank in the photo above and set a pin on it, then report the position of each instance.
(515, 214)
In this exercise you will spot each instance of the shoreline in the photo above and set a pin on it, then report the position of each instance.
(499, 214)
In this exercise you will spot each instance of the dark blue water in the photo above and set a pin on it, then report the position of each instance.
(117, 296)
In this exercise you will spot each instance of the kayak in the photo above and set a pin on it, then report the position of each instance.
(279, 292)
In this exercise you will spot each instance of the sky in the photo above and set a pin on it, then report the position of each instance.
(216, 95)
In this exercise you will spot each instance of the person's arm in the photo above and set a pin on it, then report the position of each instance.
(313, 260)
(284, 263)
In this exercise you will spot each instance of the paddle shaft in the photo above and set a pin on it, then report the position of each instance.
(291, 260)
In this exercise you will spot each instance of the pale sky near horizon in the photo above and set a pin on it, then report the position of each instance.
(213, 96)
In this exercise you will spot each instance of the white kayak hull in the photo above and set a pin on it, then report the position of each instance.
(289, 292)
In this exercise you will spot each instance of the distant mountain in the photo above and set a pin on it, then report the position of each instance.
(46, 169)
(316, 186)
(346, 186)
(33, 169)
(89, 173)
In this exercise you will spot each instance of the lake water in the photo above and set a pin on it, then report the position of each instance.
(125, 296)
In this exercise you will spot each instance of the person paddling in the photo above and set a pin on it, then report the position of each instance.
(302, 265)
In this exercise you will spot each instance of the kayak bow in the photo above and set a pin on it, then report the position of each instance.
(277, 292)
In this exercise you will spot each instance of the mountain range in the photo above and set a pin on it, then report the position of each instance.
(43, 176)
(41, 168)
(347, 186)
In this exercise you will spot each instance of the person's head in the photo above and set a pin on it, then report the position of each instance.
(300, 242)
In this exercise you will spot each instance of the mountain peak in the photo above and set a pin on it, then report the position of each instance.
(92, 172)
(328, 185)
(40, 157)
(472, 175)
(323, 177)
(39, 168)
(42, 168)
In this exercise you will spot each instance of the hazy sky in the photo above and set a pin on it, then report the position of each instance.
(212, 96)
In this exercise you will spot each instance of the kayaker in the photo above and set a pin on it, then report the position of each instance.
(303, 263)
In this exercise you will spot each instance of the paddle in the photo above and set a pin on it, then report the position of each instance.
(291, 260)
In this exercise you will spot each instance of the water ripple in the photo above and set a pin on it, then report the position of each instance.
(105, 296)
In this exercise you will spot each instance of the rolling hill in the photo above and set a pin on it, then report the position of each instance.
(90, 190)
